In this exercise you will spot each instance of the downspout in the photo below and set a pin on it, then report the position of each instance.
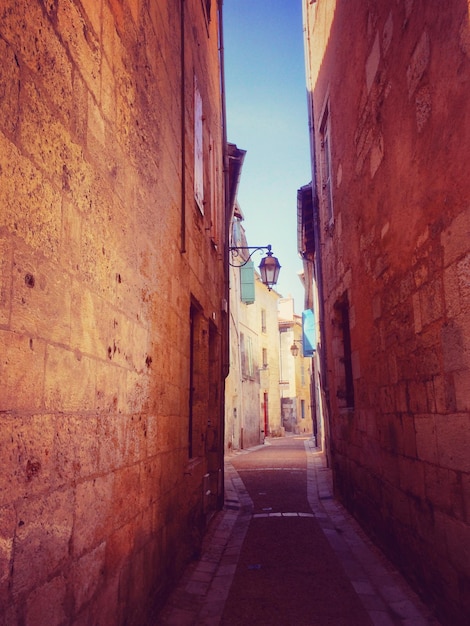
(318, 265)
(225, 352)
(227, 207)
(183, 133)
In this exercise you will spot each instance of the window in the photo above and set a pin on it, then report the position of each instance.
(250, 368)
(265, 357)
(194, 377)
(263, 320)
(198, 149)
(342, 354)
(302, 409)
(214, 209)
(246, 355)
(326, 169)
(247, 283)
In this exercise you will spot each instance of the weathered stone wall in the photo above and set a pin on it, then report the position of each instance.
(102, 251)
(389, 85)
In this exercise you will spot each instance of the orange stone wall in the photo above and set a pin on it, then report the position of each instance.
(391, 79)
(102, 252)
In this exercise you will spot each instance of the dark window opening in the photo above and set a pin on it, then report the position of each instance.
(198, 374)
(206, 4)
(343, 354)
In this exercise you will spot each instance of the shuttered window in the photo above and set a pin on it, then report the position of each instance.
(326, 169)
(247, 283)
(309, 344)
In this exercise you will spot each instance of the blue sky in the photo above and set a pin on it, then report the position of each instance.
(267, 117)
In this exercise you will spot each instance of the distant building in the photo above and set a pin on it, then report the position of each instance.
(295, 372)
(386, 243)
(252, 405)
(266, 311)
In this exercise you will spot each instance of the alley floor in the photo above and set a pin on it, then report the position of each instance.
(284, 552)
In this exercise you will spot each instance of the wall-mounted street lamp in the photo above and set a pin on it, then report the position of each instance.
(294, 349)
(269, 266)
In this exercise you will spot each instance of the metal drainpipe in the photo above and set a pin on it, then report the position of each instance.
(225, 352)
(227, 207)
(183, 134)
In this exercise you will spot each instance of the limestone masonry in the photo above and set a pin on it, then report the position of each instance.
(112, 282)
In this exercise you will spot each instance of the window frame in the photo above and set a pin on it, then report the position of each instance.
(343, 354)
(198, 148)
(326, 170)
(265, 357)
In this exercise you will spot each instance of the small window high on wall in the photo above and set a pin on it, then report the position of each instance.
(343, 354)
(198, 149)
(247, 283)
(213, 177)
(326, 166)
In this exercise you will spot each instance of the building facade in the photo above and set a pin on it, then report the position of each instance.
(388, 104)
(112, 317)
(295, 372)
(265, 320)
(252, 401)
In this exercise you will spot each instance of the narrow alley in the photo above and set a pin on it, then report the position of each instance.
(160, 379)
(283, 551)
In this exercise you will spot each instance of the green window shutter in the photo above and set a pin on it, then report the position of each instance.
(308, 333)
(247, 283)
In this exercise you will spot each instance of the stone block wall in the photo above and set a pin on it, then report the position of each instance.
(389, 86)
(102, 252)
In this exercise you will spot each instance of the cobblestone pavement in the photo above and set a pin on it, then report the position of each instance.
(284, 552)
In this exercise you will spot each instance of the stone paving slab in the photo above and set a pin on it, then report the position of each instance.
(200, 598)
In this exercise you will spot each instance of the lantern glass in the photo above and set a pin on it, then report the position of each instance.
(269, 270)
(294, 349)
